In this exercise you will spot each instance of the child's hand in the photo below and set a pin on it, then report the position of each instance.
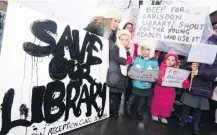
(194, 72)
(186, 84)
(129, 60)
(129, 74)
(194, 66)
(214, 32)
(160, 80)
(156, 78)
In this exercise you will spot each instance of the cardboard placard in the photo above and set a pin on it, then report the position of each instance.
(174, 77)
(45, 90)
(143, 75)
(202, 53)
(178, 24)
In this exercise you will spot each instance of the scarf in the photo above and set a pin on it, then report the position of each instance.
(123, 54)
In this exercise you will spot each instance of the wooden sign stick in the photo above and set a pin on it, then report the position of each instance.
(192, 77)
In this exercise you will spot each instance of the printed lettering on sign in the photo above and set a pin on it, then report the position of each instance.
(55, 80)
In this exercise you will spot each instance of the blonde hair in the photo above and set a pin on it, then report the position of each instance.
(100, 20)
(105, 23)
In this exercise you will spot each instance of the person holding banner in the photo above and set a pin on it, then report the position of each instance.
(201, 90)
(142, 90)
(117, 78)
(106, 26)
(164, 97)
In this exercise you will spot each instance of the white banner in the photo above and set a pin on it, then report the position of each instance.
(177, 24)
(174, 77)
(202, 53)
(53, 75)
(2, 23)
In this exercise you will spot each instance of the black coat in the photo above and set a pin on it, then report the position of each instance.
(115, 78)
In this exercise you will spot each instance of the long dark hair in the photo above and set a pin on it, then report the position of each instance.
(128, 23)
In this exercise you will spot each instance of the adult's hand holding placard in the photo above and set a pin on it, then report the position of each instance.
(179, 24)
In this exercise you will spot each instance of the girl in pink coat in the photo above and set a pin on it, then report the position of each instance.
(164, 97)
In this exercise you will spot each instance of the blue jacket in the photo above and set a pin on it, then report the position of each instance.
(149, 64)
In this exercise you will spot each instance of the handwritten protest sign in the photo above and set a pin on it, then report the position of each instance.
(51, 84)
(202, 53)
(143, 75)
(133, 14)
(174, 77)
(175, 24)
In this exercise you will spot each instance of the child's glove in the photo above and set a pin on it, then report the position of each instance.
(186, 84)
(129, 74)
(129, 60)
(156, 78)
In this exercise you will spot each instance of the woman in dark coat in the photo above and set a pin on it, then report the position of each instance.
(106, 26)
(117, 78)
(200, 92)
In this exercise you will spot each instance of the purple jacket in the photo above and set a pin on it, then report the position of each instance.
(202, 83)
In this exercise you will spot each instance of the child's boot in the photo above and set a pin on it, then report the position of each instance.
(139, 116)
(196, 131)
(181, 125)
(155, 118)
(130, 102)
(116, 104)
(115, 114)
(164, 120)
(139, 109)
(196, 125)
(129, 114)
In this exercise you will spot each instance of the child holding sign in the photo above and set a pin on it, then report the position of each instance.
(142, 90)
(164, 97)
(201, 90)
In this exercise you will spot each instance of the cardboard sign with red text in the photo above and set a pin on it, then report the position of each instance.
(174, 77)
